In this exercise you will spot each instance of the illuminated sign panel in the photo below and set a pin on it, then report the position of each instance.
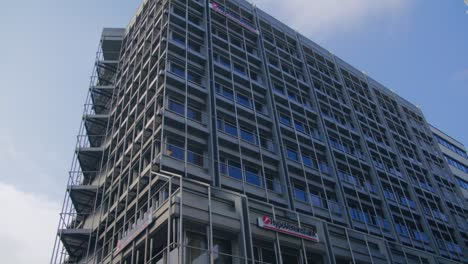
(286, 228)
(224, 11)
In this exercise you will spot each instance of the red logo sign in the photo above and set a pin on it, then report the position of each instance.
(287, 228)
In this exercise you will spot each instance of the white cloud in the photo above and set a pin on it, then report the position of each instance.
(28, 225)
(330, 16)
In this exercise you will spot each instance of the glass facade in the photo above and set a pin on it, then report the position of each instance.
(224, 136)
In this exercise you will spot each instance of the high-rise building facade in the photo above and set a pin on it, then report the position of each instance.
(214, 133)
(455, 154)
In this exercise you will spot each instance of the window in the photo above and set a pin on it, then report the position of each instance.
(292, 154)
(456, 164)
(401, 230)
(224, 91)
(222, 59)
(316, 200)
(299, 193)
(235, 171)
(389, 195)
(194, 114)
(252, 176)
(230, 129)
(243, 100)
(462, 183)
(175, 150)
(260, 108)
(221, 251)
(178, 38)
(195, 156)
(194, 45)
(273, 183)
(299, 126)
(176, 106)
(196, 250)
(239, 69)
(450, 146)
(248, 136)
(231, 168)
(178, 70)
(285, 120)
(194, 77)
(227, 128)
(292, 96)
(306, 160)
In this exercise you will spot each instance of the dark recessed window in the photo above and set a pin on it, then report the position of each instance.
(177, 107)
(292, 154)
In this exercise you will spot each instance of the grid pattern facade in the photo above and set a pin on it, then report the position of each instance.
(456, 156)
(204, 116)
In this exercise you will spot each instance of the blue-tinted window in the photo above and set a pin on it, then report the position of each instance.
(462, 183)
(226, 92)
(178, 70)
(300, 194)
(194, 77)
(243, 100)
(285, 120)
(299, 126)
(230, 129)
(252, 176)
(194, 114)
(248, 136)
(307, 161)
(175, 151)
(456, 164)
(450, 146)
(176, 107)
(316, 200)
(324, 168)
(292, 154)
(354, 213)
(195, 157)
(235, 172)
(402, 230)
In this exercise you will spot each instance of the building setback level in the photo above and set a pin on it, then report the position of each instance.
(213, 133)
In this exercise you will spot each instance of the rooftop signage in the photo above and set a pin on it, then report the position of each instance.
(286, 228)
(224, 11)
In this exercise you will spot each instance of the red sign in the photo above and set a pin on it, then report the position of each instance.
(286, 228)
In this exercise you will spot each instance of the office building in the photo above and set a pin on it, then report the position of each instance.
(455, 154)
(213, 133)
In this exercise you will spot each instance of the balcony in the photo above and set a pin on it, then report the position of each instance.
(90, 152)
(75, 234)
(82, 196)
(96, 126)
(101, 96)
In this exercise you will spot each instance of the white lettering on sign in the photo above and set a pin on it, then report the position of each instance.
(286, 228)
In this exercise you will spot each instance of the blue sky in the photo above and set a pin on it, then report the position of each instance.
(417, 48)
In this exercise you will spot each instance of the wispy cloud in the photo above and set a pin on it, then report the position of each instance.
(314, 17)
(29, 223)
